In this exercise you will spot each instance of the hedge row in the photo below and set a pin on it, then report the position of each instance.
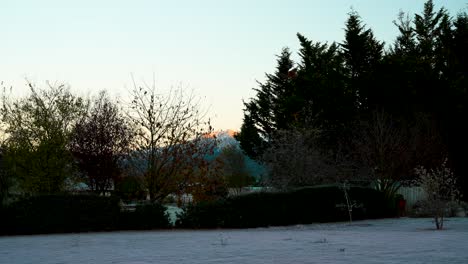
(77, 213)
(84, 213)
(303, 206)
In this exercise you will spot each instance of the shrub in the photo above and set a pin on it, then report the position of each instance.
(440, 186)
(206, 214)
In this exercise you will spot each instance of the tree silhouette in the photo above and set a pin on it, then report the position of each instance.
(38, 128)
(100, 141)
(170, 144)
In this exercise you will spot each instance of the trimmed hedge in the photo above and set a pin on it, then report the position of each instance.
(77, 213)
(61, 213)
(82, 213)
(146, 216)
(302, 206)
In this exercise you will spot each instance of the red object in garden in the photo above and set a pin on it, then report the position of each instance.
(402, 207)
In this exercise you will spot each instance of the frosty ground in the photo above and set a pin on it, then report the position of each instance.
(375, 241)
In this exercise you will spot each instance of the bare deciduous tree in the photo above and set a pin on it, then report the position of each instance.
(169, 144)
(294, 159)
(381, 147)
(388, 148)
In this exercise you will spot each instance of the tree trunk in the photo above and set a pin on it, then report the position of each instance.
(349, 205)
(439, 220)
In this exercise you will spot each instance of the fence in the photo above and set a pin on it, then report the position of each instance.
(411, 195)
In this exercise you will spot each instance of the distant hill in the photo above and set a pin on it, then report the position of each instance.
(227, 138)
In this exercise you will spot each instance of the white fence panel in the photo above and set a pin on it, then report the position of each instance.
(411, 195)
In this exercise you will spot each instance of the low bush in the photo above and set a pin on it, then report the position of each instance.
(302, 206)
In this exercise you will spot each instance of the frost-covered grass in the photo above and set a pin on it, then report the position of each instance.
(375, 241)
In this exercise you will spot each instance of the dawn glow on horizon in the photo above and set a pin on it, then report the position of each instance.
(219, 49)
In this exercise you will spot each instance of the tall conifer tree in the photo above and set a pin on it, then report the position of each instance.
(362, 53)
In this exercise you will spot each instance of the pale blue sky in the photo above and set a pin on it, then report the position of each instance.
(218, 48)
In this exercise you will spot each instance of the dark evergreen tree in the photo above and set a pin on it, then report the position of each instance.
(362, 54)
(249, 138)
(412, 72)
(291, 97)
(405, 43)
(271, 109)
(396, 82)
(457, 102)
(427, 27)
(460, 42)
(321, 89)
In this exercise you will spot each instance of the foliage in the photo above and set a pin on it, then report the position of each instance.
(99, 141)
(441, 189)
(38, 127)
(302, 206)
